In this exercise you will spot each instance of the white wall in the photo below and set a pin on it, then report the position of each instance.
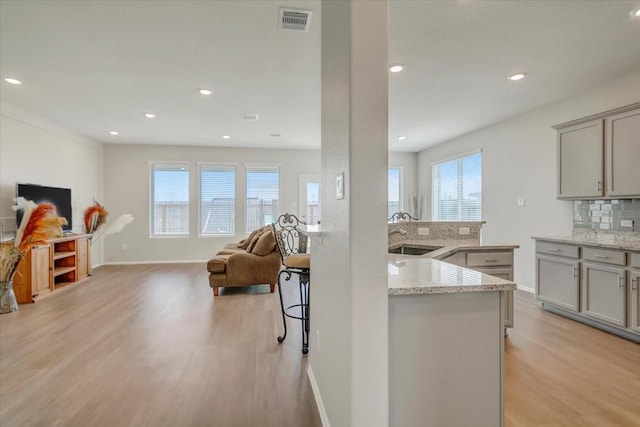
(34, 150)
(409, 163)
(126, 184)
(519, 160)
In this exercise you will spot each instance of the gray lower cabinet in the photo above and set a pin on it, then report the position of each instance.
(635, 301)
(497, 263)
(596, 285)
(557, 281)
(604, 291)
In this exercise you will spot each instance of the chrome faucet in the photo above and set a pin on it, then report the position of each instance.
(398, 231)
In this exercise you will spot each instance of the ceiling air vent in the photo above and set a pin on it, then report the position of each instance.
(294, 19)
(250, 117)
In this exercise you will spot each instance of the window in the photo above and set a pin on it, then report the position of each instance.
(169, 199)
(217, 199)
(395, 191)
(457, 189)
(263, 194)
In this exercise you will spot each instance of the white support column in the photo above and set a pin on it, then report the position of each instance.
(349, 278)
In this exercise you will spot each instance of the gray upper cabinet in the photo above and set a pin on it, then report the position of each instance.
(623, 154)
(598, 156)
(580, 160)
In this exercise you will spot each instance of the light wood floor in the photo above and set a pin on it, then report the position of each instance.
(149, 346)
(561, 373)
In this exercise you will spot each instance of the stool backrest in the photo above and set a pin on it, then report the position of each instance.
(402, 217)
(288, 236)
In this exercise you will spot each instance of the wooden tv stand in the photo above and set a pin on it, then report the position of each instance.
(48, 266)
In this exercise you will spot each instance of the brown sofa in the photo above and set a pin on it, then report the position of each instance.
(252, 261)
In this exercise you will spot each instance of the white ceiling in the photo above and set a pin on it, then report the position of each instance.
(96, 66)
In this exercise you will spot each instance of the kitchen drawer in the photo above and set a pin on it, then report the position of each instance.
(605, 255)
(559, 249)
(487, 259)
(635, 260)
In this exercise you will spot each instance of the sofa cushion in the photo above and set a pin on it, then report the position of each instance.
(217, 264)
(244, 243)
(255, 238)
(265, 244)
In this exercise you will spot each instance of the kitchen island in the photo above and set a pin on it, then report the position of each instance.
(446, 344)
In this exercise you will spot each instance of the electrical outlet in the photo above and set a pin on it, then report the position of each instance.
(423, 231)
(317, 340)
(464, 231)
(626, 223)
(124, 246)
(522, 201)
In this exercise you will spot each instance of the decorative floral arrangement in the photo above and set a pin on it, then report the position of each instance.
(96, 215)
(39, 223)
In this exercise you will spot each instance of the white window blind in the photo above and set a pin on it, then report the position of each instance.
(217, 199)
(394, 191)
(457, 189)
(262, 196)
(169, 199)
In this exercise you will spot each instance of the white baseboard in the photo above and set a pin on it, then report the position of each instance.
(316, 394)
(526, 289)
(177, 261)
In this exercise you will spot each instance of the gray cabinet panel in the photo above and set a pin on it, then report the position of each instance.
(623, 154)
(557, 249)
(557, 281)
(610, 256)
(581, 160)
(635, 301)
(604, 293)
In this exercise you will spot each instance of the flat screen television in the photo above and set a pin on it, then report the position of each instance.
(59, 197)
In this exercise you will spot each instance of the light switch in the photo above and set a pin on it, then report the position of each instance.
(464, 231)
(423, 231)
(522, 201)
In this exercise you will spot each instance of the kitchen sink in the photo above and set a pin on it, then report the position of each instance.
(412, 249)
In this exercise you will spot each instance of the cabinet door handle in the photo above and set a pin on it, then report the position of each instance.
(575, 271)
(598, 185)
(601, 256)
(620, 284)
(634, 284)
(554, 250)
(490, 260)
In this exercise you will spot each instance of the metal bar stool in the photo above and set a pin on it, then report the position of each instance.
(293, 247)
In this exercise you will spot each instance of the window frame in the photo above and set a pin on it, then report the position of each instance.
(434, 206)
(235, 185)
(152, 165)
(247, 168)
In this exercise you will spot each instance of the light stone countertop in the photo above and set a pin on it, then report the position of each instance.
(415, 275)
(630, 243)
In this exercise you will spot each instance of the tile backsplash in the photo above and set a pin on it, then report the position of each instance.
(606, 214)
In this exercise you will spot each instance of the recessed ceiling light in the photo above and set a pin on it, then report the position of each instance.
(113, 132)
(517, 76)
(13, 81)
(635, 13)
(226, 136)
(396, 68)
(205, 92)
(149, 115)
(402, 138)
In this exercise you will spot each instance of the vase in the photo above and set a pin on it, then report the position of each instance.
(8, 301)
